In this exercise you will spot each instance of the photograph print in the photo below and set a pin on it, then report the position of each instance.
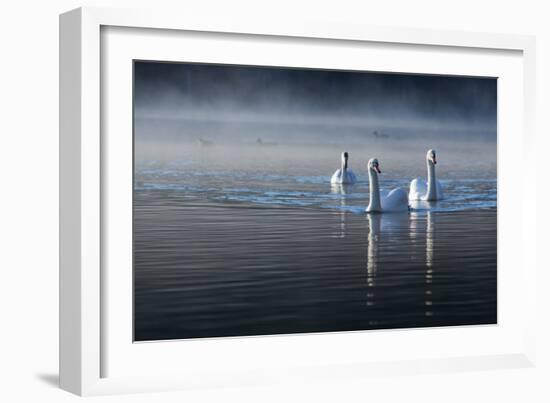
(280, 200)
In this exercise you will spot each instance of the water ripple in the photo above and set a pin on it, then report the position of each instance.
(305, 191)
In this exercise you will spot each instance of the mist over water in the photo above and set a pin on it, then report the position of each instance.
(238, 230)
(299, 175)
(320, 105)
(295, 122)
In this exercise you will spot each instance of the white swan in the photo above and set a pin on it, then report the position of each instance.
(384, 202)
(430, 190)
(343, 176)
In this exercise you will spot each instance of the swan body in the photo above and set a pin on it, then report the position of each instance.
(344, 175)
(431, 189)
(393, 201)
(419, 190)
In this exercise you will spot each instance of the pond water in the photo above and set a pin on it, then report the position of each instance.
(222, 250)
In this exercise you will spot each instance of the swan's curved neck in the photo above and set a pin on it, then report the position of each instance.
(432, 188)
(344, 164)
(374, 189)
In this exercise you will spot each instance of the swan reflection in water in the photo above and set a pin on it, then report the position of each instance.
(429, 218)
(342, 190)
(386, 229)
(374, 222)
(389, 232)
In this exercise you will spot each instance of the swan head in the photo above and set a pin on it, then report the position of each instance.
(374, 165)
(430, 156)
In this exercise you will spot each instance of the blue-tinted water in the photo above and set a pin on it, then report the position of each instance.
(290, 189)
(222, 251)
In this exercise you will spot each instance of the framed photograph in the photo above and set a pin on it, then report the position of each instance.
(247, 202)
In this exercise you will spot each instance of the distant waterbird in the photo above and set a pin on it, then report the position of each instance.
(379, 135)
(344, 175)
(204, 142)
(261, 143)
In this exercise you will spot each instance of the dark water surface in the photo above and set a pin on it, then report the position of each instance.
(232, 253)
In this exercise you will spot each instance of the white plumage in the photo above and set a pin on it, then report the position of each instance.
(430, 189)
(419, 189)
(383, 201)
(344, 175)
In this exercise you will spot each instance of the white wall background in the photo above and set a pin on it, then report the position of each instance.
(29, 197)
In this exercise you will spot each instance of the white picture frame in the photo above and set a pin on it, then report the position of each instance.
(85, 343)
